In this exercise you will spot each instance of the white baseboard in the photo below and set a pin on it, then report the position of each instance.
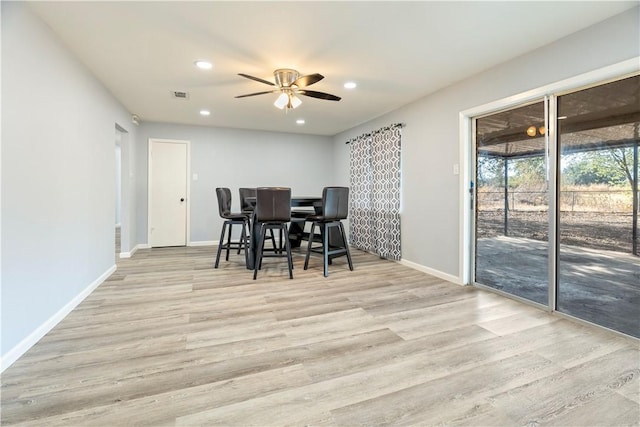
(204, 243)
(23, 346)
(129, 254)
(133, 251)
(431, 271)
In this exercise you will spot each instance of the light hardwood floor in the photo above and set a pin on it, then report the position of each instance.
(167, 340)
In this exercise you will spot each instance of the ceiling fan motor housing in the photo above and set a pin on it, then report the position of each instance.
(285, 76)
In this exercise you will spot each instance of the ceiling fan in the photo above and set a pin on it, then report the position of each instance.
(289, 84)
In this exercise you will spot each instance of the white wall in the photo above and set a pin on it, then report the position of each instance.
(430, 141)
(236, 158)
(58, 191)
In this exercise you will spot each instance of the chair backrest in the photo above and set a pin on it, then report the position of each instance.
(224, 201)
(273, 204)
(244, 193)
(335, 202)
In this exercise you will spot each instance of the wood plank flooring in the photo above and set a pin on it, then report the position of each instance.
(169, 341)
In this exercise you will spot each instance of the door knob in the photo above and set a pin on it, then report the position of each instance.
(182, 199)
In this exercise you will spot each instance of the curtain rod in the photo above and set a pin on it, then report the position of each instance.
(377, 131)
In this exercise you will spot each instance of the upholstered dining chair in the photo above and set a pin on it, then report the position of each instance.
(272, 212)
(231, 219)
(247, 207)
(335, 208)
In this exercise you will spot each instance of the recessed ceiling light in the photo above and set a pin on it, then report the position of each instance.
(350, 85)
(205, 112)
(204, 65)
(300, 121)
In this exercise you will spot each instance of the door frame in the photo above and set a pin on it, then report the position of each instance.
(150, 143)
(467, 156)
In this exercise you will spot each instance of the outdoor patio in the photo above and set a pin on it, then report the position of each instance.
(600, 286)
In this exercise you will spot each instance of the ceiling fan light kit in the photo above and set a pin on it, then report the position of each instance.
(287, 99)
(289, 84)
(282, 101)
(294, 101)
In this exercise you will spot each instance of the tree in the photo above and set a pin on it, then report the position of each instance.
(490, 171)
(529, 172)
(610, 167)
(624, 159)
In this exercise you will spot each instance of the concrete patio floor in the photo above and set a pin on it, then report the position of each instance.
(599, 286)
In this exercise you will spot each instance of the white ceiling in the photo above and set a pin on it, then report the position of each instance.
(397, 52)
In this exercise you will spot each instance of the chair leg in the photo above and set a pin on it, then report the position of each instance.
(220, 244)
(325, 249)
(306, 258)
(241, 240)
(325, 230)
(228, 247)
(264, 241)
(328, 241)
(273, 240)
(346, 245)
(245, 239)
(287, 246)
(260, 248)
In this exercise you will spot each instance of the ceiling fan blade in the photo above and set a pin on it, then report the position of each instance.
(320, 95)
(305, 81)
(258, 79)
(257, 93)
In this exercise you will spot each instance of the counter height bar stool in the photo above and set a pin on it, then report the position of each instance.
(245, 205)
(272, 211)
(248, 208)
(231, 219)
(335, 206)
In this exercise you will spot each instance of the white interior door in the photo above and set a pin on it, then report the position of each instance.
(168, 192)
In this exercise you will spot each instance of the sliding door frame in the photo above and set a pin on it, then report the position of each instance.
(468, 159)
(553, 191)
(473, 203)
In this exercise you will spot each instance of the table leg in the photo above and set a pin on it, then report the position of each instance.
(253, 242)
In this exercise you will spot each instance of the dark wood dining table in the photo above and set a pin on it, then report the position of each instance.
(296, 228)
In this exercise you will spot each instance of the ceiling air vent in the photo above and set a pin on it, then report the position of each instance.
(179, 94)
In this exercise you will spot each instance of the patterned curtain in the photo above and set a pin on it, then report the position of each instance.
(374, 216)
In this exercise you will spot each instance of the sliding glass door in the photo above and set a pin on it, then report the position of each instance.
(598, 257)
(556, 207)
(512, 199)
